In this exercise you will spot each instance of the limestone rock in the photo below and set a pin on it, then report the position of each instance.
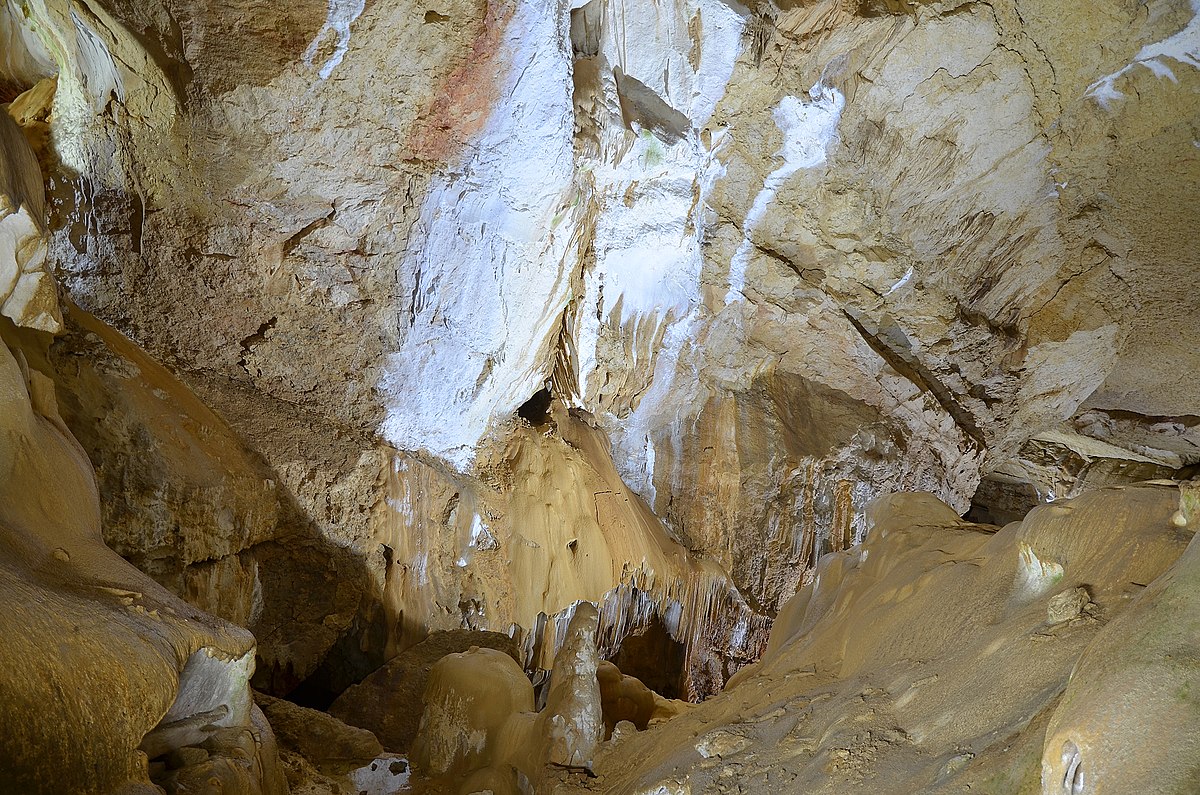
(555, 524)
(1127, 718)
(327, 743)
(937, 233)
(1067, 605)
(469, 703)
(186, 501)
(623, 698)
(28, 294)
(479, 730)
(388, 702)
(773, 261)
(572, 723)
(921, 662)
(146, 682)
(177, 484)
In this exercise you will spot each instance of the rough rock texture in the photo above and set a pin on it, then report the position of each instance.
(321, 739)
(925, 661)
(388, 702)
(111, 682)
(28, 294)
(320, 754)
(554, 523)
(186, 501)
(471, 706)
(144, 675)
(573, 719)
(776, 259)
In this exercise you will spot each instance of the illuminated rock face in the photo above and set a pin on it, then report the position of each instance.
(479, 730)
(28, 294)
(762, 264)
(111, 682)
(929, 660)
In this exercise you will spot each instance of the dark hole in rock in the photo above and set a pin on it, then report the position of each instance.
(433, 16)
(653, 656)
(358, 652)
(999, 501)
(536, 410)
(10, 90)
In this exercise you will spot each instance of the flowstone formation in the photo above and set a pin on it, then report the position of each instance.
(479, 731)
(112, 683)
(940, 656)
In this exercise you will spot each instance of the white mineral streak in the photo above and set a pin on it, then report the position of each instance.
(488, 254)
(653, 197)
(481, 536)
(654, 414)
(23, 269)
(377, 778)
(808, 128)
(1183, 47)
(648, 254)
(652, 42)
(340, 17)
(97, 69)
(903, 282)
(650, 469)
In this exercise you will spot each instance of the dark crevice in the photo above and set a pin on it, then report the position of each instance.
(1187, 420)
(923, 379)
(359, 651)
(294, 240)
(137, 219)
(249, 343)
(653, 656)
(10, 90)
(536, 410)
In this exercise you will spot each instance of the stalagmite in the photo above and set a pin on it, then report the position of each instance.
(572, 722)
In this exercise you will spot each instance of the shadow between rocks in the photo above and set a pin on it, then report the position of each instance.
(188, 498)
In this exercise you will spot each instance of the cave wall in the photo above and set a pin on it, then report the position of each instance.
(770, 262)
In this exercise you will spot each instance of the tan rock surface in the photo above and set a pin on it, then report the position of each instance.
(924, 662)
(388, 702)
(785, 261)
(765, 263)
(111, 681)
